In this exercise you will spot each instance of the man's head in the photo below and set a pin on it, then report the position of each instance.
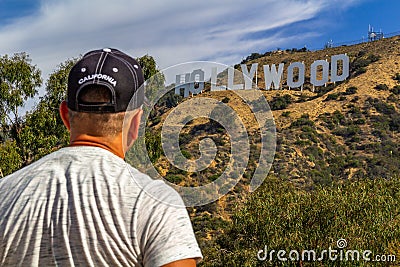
(104, 88)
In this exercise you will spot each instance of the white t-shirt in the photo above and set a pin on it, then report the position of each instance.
(84, 206)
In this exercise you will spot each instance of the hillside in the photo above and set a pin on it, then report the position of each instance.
(349, 131)
(343, 131)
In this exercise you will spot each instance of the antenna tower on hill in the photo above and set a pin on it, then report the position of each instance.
(373, 35)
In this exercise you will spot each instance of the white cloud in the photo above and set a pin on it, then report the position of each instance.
(172, 31)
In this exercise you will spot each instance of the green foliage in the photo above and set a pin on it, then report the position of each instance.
(397, 77)
(11, 161)
(280, 102)
(381, 106)
(303, 121)
(170, 100)
(359, 64)
(19, 80)
(338, 117)
(41, 130)
(153, 146)
(186, 154)
(280, 216)
(396, 90)
(325, 89)
(360, 71)
(351, 90)
(175, 179)
(314, 153)
(225, 100)
(333, 96)
(382, 87)
(154, 78)
(348, 131)
(373, 58)
(149, 66)
(252, 56)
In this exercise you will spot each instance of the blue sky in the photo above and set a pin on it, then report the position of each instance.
(177, 31)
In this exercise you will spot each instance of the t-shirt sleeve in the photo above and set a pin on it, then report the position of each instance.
(165, 233)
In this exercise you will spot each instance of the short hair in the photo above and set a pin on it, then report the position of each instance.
(96, 124)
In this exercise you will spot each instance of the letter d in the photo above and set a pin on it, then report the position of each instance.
(265, 251)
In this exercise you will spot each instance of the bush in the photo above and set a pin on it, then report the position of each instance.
(360, 63)
(394, 122)
(373, 58)
(280, 102)
(302, 121)
(280, 216)
(360, 71)
(186, 154)
(225, 100)
(175, 179)
(338, 118)
(314, 153)
(348, 131)
(382, 87)
(11, 161)
(351, 90)
(332, 96)
(396, 90)
(397, 77)
(381, 106)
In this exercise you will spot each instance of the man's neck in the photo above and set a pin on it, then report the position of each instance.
(113, 146)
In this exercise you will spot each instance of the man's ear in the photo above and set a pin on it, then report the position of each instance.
(134, 126)
(64, 115)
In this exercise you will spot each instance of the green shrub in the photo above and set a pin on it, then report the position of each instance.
(360, 71)
(303, 142)
(225, 100)
(396, 90)
(314, 153)
(280, 216)
(381, 106)
(175, 179)
(338, 118)
(280, 102)
(351, 90)
(373, 58)
(397, 77)
(11, 161)
(348, 131)
(333, 96)
(302, 121)
(382, 87)
(186, 154)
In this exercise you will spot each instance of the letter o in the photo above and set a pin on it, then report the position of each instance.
(300, 66)
(325, 73)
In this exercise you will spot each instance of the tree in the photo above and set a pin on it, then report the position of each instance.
(40, 131)
(43, 130)
(149, 66)
(19, 80)
(10, 158)
(152, 75)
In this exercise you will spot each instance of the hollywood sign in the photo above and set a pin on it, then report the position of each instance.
(193, 83)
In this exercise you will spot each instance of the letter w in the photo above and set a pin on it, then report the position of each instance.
(271, 75)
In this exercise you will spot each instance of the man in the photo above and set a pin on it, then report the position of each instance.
(84, 205)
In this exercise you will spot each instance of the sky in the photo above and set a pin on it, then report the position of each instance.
(177, 31)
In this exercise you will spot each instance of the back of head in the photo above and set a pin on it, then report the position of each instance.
(102, 86)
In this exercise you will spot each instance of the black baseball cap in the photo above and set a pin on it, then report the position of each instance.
(112, 69)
